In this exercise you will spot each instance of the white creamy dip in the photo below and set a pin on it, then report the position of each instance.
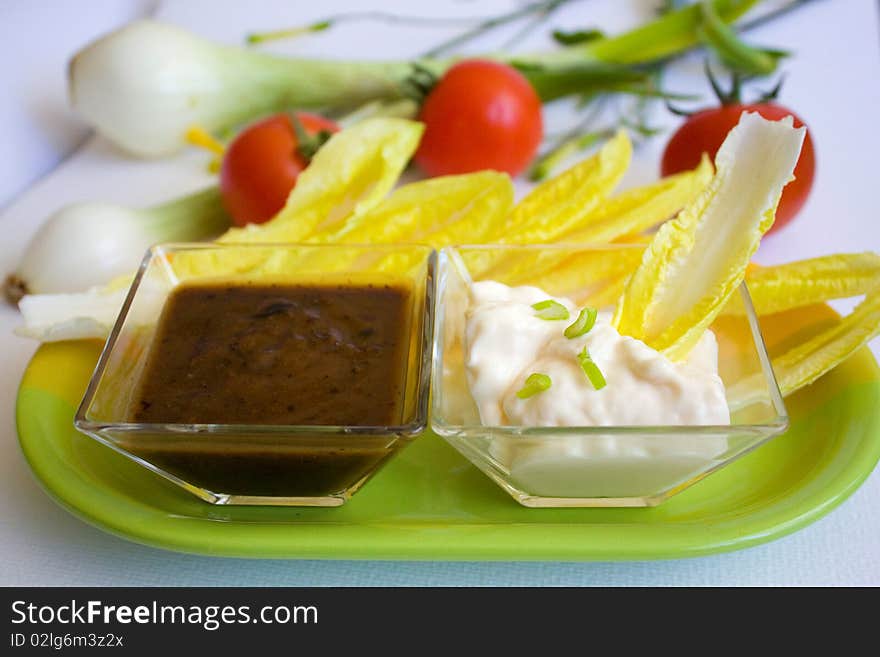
(506, 341)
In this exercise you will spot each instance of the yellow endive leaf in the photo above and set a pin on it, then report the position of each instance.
(804, 363)
(592, 277)
(348, 176)
(782, 287)
(437, 211)
(475, 220)
(520, 267)
(557, 205)
(696, 261)
(638, 209)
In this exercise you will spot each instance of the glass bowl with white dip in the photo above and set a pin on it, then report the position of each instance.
(536, 388)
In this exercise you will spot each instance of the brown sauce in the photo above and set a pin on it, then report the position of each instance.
(277, 355)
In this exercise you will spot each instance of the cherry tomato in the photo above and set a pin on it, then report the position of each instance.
(705, 130)
(261, 165)
(480, 115)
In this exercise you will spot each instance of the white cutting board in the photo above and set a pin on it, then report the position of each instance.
(833, 82)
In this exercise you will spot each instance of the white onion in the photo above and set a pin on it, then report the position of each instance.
(53, 317)
(57, 261)
(144, 85)
(88, 244)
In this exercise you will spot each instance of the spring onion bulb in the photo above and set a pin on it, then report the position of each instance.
(87, 244)
(144, 85)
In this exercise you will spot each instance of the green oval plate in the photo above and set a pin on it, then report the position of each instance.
(429, 503)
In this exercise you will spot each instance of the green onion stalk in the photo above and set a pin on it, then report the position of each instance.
(550, 310)
(145, 85)
(535, 383)
(583, 324)
(591, 370)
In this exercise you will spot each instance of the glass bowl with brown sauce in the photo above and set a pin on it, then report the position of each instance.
(268, 374)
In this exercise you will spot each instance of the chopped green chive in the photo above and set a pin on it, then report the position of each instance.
(550, 310)
(585, 321)
(594, 374)
(535, 383)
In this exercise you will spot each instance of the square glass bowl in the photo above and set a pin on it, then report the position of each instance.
(223, 463)
(593, 466)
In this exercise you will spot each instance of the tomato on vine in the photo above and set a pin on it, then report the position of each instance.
(704, 130)
(261, 165)
(481, 114)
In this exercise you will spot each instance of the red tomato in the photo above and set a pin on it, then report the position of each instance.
(705, 130)
(480, 115)
(261, 166)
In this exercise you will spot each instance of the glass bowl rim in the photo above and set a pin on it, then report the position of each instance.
(778, 424)
(422, 407)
